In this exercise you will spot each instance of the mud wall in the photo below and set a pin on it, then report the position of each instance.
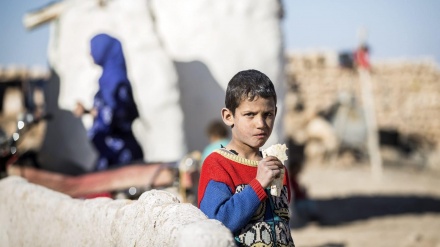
(32, 215)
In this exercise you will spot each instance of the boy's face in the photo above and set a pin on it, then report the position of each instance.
(252, 122)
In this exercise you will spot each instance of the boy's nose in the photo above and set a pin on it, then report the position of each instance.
(260, 123)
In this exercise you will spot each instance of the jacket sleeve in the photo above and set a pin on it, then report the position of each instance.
(234, 210)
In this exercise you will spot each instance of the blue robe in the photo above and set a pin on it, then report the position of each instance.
(111, 132)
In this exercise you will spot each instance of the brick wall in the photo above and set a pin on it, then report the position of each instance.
(406, 93)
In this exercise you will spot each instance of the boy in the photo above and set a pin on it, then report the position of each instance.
(234, 179)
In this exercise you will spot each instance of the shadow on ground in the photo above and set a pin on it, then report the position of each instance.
(327, 245)
(337, 211)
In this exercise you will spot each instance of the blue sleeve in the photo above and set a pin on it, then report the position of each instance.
(233, 210)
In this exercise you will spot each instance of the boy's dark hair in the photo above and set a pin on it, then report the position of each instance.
(248, 84)
(217, 128)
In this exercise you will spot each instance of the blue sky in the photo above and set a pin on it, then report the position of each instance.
(17, 45)
(396, 28)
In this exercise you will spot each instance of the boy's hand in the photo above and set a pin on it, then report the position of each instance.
(269, 168)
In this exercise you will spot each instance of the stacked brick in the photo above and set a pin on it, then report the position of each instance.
(406, 93)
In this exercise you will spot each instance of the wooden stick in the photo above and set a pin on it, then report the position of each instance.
(39, 17)
(372, 130)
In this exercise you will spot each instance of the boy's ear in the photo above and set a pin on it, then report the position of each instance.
(228, 117)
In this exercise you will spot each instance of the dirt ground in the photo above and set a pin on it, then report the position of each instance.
(402, 208)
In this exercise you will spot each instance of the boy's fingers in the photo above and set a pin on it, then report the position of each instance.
(273, 159)
(276, 163)
(270, 158)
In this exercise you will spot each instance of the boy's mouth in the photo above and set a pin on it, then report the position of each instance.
(261, 135)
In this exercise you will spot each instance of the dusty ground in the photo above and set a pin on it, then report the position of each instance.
(400, 209)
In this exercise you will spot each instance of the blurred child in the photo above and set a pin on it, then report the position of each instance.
(218, 137)
(234, 180)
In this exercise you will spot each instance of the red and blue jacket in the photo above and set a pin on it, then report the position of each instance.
(229, 192)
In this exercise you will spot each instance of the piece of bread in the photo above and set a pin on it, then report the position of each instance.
(279, 151)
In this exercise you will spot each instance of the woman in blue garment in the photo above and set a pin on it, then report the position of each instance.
(114, 109)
